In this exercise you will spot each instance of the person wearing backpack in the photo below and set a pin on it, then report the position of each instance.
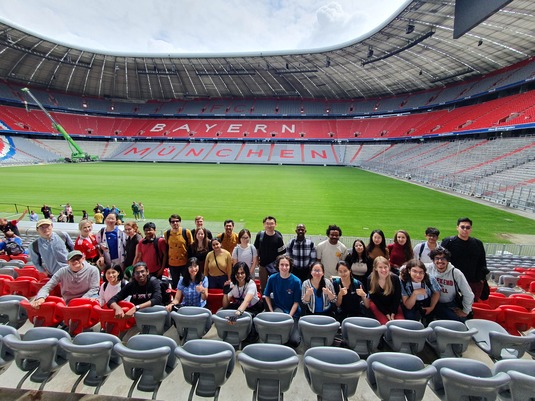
(178, 240)
(49, 252)
(151, 250)
(112, 242)
(421, 251)
(269, 244)
(113, 283)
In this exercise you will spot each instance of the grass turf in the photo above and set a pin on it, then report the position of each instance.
(357, 201)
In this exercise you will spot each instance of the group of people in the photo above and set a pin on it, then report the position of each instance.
(395, 281)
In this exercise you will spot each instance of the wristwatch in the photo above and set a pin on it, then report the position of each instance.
(137, 307)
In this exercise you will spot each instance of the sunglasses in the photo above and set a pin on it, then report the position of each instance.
(465, 227)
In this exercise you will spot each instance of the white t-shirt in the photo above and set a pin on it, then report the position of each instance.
(239, 293)
(330, 255)
(245, 255)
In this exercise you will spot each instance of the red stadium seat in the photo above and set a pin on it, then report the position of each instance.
(47, 315)
(524, 281)
(484, 311)
(31, 272)
(21, 286)
(516, 319)
(109, 323)
(79, 314)
(215, 299)
(525, 300)
(3, 279)
(497, 299)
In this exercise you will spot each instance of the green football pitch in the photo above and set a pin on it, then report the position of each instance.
(356, 200)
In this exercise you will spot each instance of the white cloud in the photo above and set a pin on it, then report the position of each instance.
(200, 26)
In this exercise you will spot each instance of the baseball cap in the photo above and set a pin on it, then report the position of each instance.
(43, 222)
(74, 253)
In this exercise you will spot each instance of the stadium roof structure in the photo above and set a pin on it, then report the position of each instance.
(413, 51)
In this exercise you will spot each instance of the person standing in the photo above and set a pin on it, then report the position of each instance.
(331, 251)
(269, 244)
(99, 217)
(400, 250)
(47, 212)
(151, 250)
(245, 252)
(112, 242)
(135, 210)
(468, 255)
(217, 265)
(87, 242)
(49, 251)
(199, 223)
(228, 239)
(178, 240)
(303, 253)
(421, 251)
(141, 210)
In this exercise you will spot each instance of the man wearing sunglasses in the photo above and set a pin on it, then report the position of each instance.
(468, 255)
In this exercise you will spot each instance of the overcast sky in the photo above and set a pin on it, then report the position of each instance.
(199, 26)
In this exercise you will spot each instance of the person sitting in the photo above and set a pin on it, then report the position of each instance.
(78, 279)
(283, 293)
(144, 291)
(317, 293)
(192, 289)
(349, 292)
(113, 282)
(241, 293)
(384, 295)
(454, 287)
(419, 292)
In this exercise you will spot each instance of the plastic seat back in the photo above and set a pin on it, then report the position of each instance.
(274, 327)
(47, 315)
(318, 330)
(407, 336)
(192, 322)
(398, 376)
(206, 364)
(6, 354)
(11, 312)
(234, 333)
(269, 369)
(109, 323)
(522, 374)
(450, 338)
(465, 379)
(38, 352)
(362, 334)
(91, 357)
(153, 320)
(333, 373)
(147, 360)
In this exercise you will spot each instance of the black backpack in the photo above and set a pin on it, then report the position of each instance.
(14, 249)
